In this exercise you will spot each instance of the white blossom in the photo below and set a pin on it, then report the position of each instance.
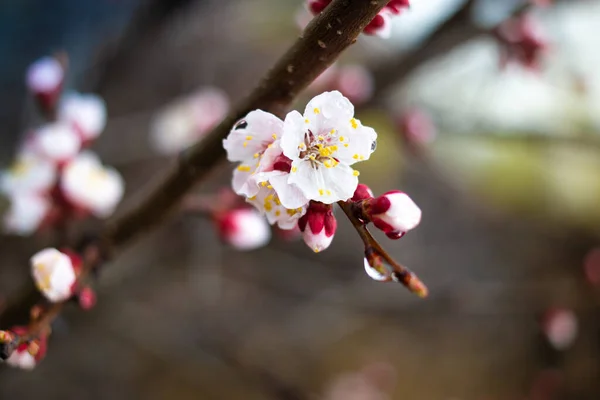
(186, 121)
(53, 274)
(44, 75)
(86, 112)
(322, 145)
(86, 183)
(28, 173)
(57, 142)
(26, 214)
(267, 202)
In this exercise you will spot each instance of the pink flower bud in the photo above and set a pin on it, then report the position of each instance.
(393, 212)
(380, 25)
(21, 357)
(560, 327)
(522, 41)
(87, 298)
(243, 228)
(316, 6)
(44, 80)
(416, 127)
(396, 6)
(318, 226)
(362, 192)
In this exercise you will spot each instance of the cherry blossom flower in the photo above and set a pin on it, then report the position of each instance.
(54, 273)
(318, 226)
(85, 112)
(44, 80)
(88, 185)
(393, 212)
(22, 356)
(26, 214)
(268, 203)
(187, 121)
(322, 144)
(57, 142)
(29, 173)
(243, 228)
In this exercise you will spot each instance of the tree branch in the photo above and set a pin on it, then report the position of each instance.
(322, 42)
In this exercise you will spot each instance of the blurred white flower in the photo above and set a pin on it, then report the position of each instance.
(45, 77)
(29, 173)
(85, 112)
(243, 228)
(560, 325)
(188, 120)
(53, 274)
(57, 142)
(26, 214)
(89, 185)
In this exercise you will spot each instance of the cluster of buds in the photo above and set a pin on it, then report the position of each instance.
(55, 177)
(186, 121)
(521, 41)
(380, 25)
(353, 80)
(19, 353)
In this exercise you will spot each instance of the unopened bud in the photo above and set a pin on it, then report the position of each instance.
(362, 192)
(44, 80)
(243, 228)
(318, 226)
(87, 298)
(393, 212)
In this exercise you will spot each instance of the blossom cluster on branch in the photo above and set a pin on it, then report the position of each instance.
(55, 178)
(293, 171)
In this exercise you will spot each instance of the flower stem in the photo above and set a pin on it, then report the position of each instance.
(400, 272)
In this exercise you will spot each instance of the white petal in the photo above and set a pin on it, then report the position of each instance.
(330, 105)
(44, 75)
(57, 142)
(87, 112)
(386, 30)
(252, 135)
(339, 184)
(356, 143)
(29, 173)
(26, 214)
(289, 194)
(308, 179)
(294, 131)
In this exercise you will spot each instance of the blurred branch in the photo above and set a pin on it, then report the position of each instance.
(318, 47)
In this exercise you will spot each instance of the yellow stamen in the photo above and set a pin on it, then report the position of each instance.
(277, 213)
(274, 136)
(354, 123)
(248, 137)
(245, 144)
(355, 173)
(345, 144)
(356, 156)
(316, 110)
(294, 169)
(342, 138)
(306, 121)
(321, 192)
(243, 168)
(256, 155)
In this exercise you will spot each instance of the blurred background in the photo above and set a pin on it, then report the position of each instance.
(499, 151)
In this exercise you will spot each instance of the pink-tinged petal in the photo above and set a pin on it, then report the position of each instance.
(251, 135)
(242, 183)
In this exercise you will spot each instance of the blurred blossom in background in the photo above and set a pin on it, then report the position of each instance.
(494, 131)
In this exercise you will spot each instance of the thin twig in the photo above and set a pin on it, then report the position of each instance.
(400, 272)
